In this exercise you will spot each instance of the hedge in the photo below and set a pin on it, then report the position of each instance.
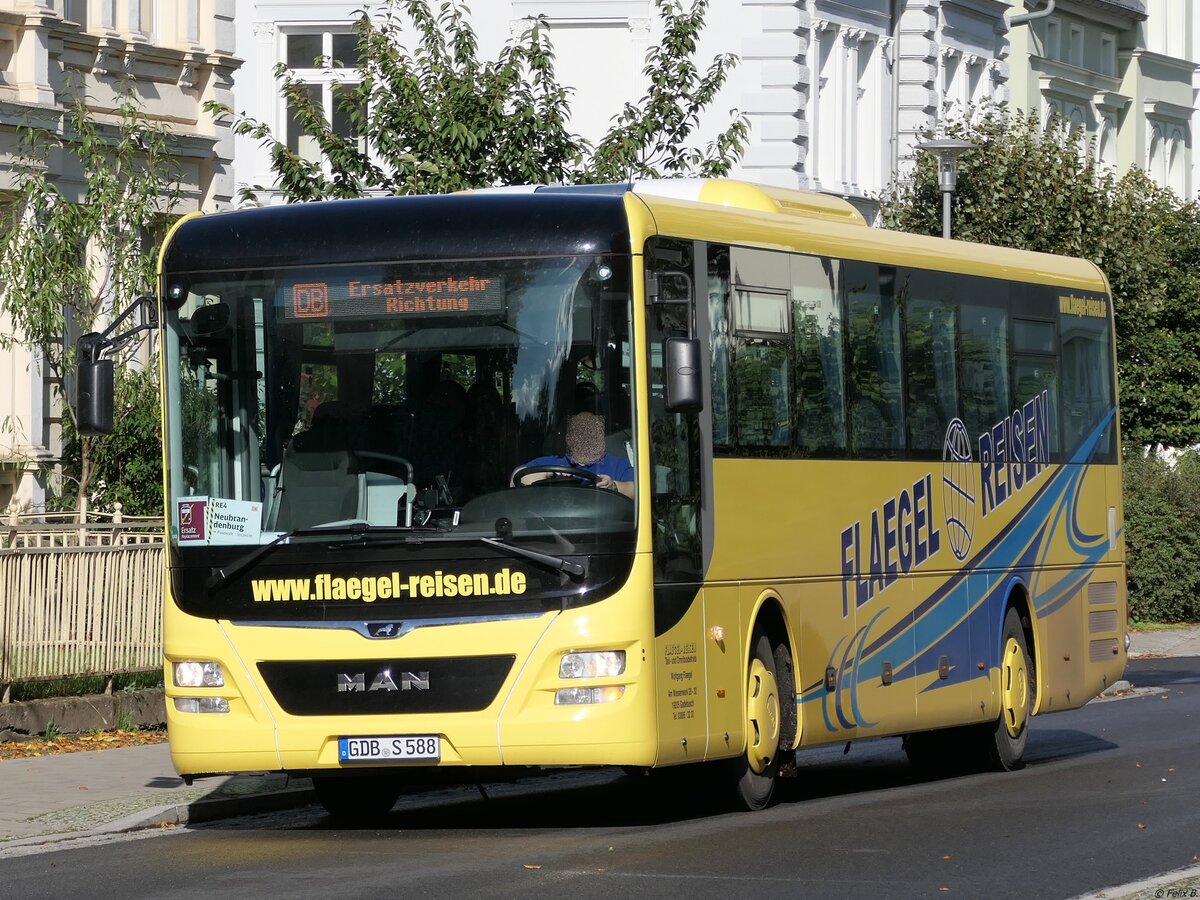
(1162, 536)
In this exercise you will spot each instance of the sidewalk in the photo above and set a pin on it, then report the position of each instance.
(51, 798)
(1182, 641)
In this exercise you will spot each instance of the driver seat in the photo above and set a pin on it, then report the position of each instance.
(318, 488)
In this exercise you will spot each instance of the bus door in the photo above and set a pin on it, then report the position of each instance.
(697, 627)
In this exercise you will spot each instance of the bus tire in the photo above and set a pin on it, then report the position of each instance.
(1006, 738)
(357, 800)
(770, 723)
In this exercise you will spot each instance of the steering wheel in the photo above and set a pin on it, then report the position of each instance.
(589, 478)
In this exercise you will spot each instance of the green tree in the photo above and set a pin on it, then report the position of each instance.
(70, 262)
(439, 119)
(1041, 189)
(125, 466)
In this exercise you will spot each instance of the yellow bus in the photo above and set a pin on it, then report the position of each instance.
(638, 475)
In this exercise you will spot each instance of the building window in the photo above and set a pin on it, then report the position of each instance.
(1052, 47)
(76, 11)
(325, 63)
(1108, 54)
(146, 20)
(1075, 46)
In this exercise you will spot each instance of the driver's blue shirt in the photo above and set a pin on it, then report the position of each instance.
(615, 467)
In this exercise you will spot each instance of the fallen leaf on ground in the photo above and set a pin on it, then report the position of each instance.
(76, 743)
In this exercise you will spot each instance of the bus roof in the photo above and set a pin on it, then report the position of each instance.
(808, 222)
(544, 220)
(386, 229)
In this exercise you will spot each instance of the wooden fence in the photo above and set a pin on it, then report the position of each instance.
(79, 600)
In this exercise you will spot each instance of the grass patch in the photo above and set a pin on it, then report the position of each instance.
(83, 685)
(138, 681)
(1137, 625)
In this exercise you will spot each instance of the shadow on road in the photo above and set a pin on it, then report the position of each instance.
(612, 798)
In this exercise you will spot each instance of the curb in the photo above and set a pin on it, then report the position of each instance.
(171, 816)
(26, 719)
(213, 809)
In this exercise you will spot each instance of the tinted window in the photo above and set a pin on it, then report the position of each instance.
(873, 360)
(931, 360)
(983, 366)
(818, 336)
(718, 316)
(1087, 394)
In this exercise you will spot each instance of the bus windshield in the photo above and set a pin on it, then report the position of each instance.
(398, 396)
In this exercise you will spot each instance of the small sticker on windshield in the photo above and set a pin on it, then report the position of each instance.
(191, 519)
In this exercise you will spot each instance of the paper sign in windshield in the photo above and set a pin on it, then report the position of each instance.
(213, 520)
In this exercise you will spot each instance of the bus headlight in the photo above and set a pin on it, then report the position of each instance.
(193, 674)
(202, 704)
(592, 664)
(578, 695)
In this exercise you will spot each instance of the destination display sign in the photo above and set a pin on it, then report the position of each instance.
(378, 295)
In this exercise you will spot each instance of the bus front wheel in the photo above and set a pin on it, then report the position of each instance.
(770, 723)
(357, 800)
(1008, 736)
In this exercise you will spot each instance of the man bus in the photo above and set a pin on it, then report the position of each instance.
(876, 487)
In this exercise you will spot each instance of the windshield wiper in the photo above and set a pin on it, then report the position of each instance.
(557, 563)
(225, 574)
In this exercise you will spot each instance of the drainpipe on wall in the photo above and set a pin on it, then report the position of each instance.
(1022, 18)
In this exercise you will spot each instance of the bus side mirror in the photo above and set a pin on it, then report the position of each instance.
(95, 380)
(683, 382)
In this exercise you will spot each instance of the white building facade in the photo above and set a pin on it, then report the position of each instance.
(177, 54)
(837, 92)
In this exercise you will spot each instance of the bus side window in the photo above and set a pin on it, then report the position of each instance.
(1035, 371)
(818, 335)
(674, 436)
(1086, 381)
(930, 332)
(873, 360)
(718, 316)
(760, 325)
(983, 366)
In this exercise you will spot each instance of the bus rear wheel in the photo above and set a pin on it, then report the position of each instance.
(1005, 739)
(770, 723)
(357, 800)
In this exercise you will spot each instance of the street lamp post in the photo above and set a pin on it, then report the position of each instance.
(946, 151)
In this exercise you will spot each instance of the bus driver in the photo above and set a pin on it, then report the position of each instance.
(585, 450)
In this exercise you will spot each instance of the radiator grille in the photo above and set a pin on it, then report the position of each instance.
(1101, 651)
(1102, 592)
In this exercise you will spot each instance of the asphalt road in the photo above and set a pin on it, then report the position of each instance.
(1109, 796)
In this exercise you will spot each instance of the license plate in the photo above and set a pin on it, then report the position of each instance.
(390, 748)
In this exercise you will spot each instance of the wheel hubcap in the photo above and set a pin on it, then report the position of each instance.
(1015, 683)
(762, 708)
